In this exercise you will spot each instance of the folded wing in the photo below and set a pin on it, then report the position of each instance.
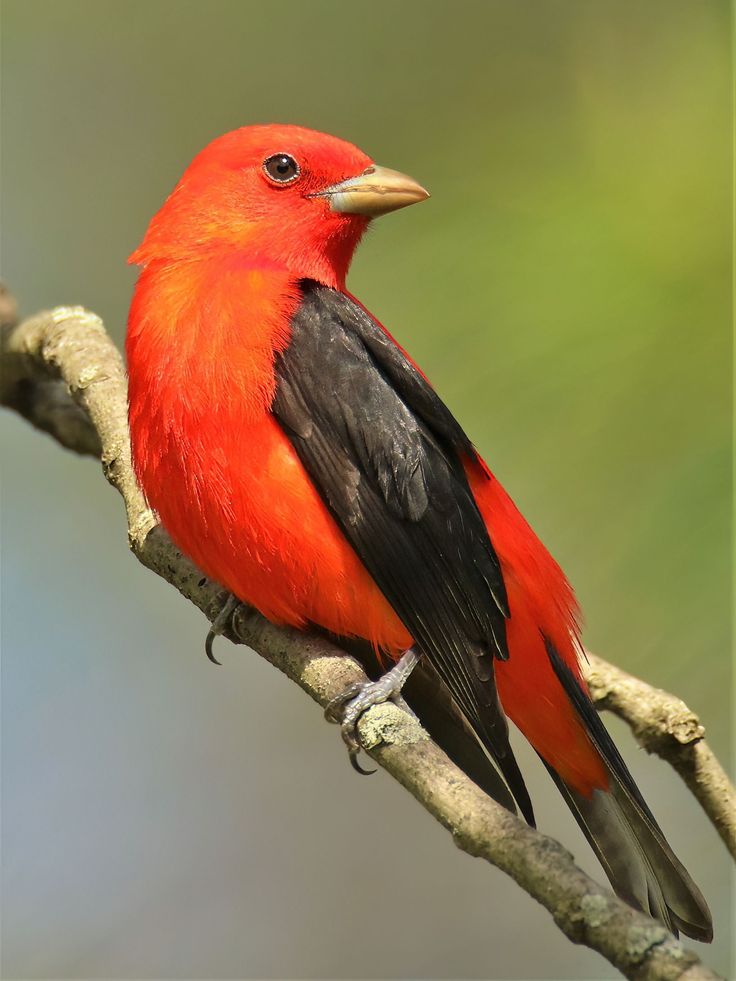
(385, 456)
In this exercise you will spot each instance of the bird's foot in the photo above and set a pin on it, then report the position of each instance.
(220, 625)
(347, 708)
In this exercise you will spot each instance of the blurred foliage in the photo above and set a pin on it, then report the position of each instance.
(567, 289)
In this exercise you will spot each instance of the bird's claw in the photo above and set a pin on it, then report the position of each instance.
(220, 625)
(347, 707)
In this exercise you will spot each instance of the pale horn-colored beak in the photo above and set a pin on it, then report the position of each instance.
(376, 191)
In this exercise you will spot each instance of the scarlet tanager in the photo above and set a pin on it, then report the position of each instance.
(298, 455)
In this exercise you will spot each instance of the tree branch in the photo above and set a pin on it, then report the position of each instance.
(664, 725)
(68, 350)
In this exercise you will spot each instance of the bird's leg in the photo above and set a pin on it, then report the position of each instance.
(347, 708)
(220, 625)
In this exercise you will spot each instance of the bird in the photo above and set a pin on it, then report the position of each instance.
(297, 454)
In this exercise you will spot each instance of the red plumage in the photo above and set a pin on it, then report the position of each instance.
(223, 263)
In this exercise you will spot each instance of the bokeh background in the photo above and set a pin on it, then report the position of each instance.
(567, 289)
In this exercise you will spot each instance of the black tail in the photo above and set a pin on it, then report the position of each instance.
(641, 866)
(624, 835)
(622, 831)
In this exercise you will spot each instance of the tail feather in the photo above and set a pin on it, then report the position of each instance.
(640, 865)
(628, 842)
(630, 845)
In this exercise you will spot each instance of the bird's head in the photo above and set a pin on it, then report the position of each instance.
(277, 195)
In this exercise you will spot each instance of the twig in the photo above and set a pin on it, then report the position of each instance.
(664, 725)
(71, 345)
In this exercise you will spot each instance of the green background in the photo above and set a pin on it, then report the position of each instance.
(567, 289)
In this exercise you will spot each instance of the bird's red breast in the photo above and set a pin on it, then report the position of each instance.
(232, 493)
(297, 454)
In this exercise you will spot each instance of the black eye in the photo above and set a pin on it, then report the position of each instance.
(281, 168)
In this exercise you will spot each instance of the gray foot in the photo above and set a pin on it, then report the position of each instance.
(347, 708)
(220, 625)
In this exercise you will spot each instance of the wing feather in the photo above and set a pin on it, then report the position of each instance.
(385, 455)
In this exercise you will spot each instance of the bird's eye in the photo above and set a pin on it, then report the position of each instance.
(281, 168)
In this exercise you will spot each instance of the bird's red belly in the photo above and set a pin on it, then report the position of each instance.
(252, 520)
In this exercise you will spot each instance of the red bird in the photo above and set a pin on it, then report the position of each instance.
(292, 448)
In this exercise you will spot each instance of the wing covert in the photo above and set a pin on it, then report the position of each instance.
(384, 453)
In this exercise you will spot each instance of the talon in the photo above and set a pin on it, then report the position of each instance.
(356, 765)
(349, 731)
(347, 707)
(219, 625)
(208, 642)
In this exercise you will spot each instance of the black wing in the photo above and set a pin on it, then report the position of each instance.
(384, 453)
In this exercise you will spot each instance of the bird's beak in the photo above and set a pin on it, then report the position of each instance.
(376, 191)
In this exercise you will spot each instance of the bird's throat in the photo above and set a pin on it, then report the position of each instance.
(203, 334)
